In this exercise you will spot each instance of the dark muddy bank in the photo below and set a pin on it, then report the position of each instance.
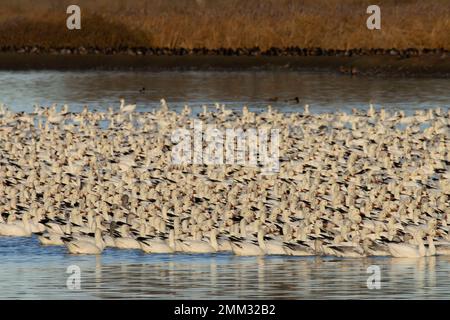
(430, 64)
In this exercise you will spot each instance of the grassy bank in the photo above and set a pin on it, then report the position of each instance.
(328, 24)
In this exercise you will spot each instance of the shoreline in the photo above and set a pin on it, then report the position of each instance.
(435, 64)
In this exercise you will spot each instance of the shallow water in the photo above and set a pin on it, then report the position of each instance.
(30, 271)
(324, 92)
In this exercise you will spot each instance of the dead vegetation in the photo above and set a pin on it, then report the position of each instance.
(328, 24)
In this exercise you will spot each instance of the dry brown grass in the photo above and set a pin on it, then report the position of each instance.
(329, 24)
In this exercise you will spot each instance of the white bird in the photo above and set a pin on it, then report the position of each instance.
(298, 248)
(16, 228)
(245, 247)
(164, 105)
(159, 245)
(443, 248)
(200, 246)
(86, 247)
(271, 246)
(54, 239)
(126, 108)
(126, 241)
(406, 250)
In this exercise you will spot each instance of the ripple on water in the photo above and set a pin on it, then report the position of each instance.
(30, 271)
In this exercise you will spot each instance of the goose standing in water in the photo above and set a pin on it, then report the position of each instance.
(109, 237)
(348, 251)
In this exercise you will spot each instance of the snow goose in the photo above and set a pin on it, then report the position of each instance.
(200, 246)
(298, 248)
(109, 237)
(347, 250)
(406, 250)
(54, 239)
(224, 244)
(159, 245)
(86, 247)
(16, 228)
(126, 240)
(126, 108)
(375, 248)
(245, 247)
(272, 246)
(35, 224)
(431, 249)
(442, 248)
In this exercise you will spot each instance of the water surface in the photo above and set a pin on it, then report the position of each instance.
(30, 271)
(322, 91)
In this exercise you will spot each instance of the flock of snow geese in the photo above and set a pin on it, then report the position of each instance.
(367, 183)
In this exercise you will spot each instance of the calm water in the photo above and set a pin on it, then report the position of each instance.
(322, 91)
(28, 270)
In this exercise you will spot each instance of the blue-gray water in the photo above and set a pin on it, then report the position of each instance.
(28, 270)
(322, 91)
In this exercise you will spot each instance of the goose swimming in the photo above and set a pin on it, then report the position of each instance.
(16, 228)
(158, 245)
(406, 250)
(200, 246)
(245, 247)
(86, 247)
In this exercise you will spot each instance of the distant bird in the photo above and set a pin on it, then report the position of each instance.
(164, 105)
(126, 108)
